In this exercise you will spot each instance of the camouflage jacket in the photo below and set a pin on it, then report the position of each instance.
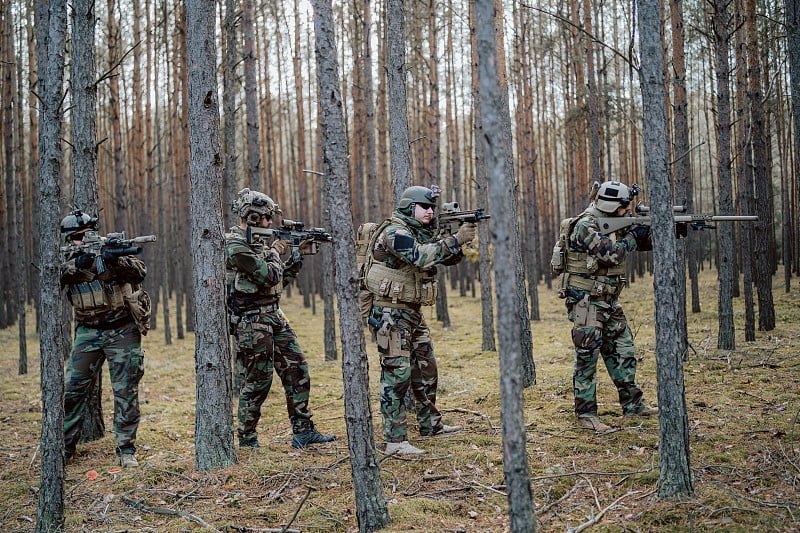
(609, 251)
(83, 284)
(254, 271)
(407, 242)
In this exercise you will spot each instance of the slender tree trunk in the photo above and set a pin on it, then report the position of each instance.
(494, 105)
(229, 106)
(373, 187)
(255, 173)
(213, 418)
(51, 29)
(675, 475)
(793, 49)
(371, 509)
(120, 185)
(398, 108)
(726, 339)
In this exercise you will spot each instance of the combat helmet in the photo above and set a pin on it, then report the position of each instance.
(612, 195)
(77, 222)
(252, 205)
(417, 195)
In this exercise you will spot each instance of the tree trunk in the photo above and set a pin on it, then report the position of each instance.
(84, 167)
(793, 49)
(51, 29)
(371, 509)
(726, 339)
(522, 512)
(763, 231)
(675, 475)
(229, 107)
(398, 108)
(213, 417)
(255, 174)
(482, 188)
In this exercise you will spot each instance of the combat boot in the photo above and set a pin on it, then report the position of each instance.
(249, 443)
(594, 423)
(643, 412)
(402, 448)
(444, 429)
(128, 460)
(311, 436)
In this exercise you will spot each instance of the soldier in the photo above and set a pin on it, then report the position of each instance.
(111, 314)
(264, 339)
(593, 279)
(401, 276)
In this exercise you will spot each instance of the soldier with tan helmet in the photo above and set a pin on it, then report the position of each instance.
(401, 275)
(593, 278)
(101, 290)
(264, 340)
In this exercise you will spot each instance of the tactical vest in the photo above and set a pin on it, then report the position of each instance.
(92, 298)
(397, 286)
(239, 281)
(592, 277)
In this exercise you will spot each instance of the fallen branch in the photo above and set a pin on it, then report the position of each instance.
(296, 511)
(171, 512)
(468, 412)
(594, 519)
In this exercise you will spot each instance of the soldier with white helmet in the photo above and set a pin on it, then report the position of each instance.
(264, 340)
(593, 278)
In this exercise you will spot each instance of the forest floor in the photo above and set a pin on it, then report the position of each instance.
(743, 417)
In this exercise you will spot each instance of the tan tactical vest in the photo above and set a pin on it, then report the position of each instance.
(91, 298)
(396, 286)
(240, 281)
(583, 263)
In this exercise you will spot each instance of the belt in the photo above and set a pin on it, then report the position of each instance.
(269, 308)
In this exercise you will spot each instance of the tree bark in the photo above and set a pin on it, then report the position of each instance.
(398, 108)
(255, 173)
(675, 475)
(51, 29)
(726, 339)
(371, 508)
(213, 417)
(522, 512)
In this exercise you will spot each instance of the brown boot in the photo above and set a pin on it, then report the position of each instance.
(644, 412)
(593, 423)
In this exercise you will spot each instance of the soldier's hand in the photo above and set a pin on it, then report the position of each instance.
(85, 261)
(280, 247)
(466, 233)
(641, 234)
(309, 247)
(681, 230)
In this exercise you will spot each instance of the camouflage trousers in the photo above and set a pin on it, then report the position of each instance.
(122, 348)
(600, 328)
(264, 343)
(406, 352)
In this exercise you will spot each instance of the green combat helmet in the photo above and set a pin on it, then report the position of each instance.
(76, 222)
(417, 195)
(252, 205)
(612, 195)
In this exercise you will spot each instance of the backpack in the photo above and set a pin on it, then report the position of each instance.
(558, 263)
(366, 236)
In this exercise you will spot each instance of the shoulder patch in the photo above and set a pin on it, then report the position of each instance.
(403, 242)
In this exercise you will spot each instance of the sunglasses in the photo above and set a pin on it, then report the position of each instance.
(427, 206)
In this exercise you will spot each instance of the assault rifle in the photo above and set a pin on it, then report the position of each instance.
(610, 225)
(108, 247)
(451, 216)
(292, 231)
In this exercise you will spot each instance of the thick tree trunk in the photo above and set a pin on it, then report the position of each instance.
(213, 417)
(494, 106)
(371, 509)
(675, 475)
(51, 22)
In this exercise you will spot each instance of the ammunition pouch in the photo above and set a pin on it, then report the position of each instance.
(604, 287)
(95, 297)
(139, 305)
(392, 286)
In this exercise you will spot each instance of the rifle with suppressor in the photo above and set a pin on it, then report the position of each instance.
(108, 247)
(610, 225)
(451, 216)
(292, 231)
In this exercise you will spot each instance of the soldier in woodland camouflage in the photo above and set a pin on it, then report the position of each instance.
(401, 276)
(105, 330)
(592, 279)
(264, 340)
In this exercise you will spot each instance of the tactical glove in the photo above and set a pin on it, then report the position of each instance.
(642, 235)
(84, 261)
(309, 247)
(280, 247)
(681, 230)
(466, 233)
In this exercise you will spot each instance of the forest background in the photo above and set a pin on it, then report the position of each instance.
(575, 121)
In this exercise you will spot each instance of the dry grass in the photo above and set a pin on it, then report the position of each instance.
(743, 412)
